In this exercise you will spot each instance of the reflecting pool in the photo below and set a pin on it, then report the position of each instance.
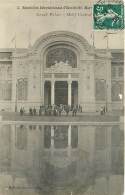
(61, 159)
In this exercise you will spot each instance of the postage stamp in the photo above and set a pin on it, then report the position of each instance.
(108, 16)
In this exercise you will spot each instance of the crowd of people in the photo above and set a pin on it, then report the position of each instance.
(103, 110)
(52, 110)
(55, 110)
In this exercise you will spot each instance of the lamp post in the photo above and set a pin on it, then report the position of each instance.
(16, 99)
(121, 99)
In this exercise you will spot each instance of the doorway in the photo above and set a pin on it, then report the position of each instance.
(61, 92)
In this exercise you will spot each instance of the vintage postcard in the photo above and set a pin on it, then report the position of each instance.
(61, 97)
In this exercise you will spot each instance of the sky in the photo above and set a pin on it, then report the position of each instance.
(21, 22)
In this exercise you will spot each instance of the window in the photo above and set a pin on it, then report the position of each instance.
(58, 54)
(5, 90)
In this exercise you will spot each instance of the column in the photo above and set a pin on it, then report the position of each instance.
(69, 93)
(69, 140)
(52, 92)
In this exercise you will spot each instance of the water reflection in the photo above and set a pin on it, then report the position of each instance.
(61, 160)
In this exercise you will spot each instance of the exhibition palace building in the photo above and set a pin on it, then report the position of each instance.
(61, 68)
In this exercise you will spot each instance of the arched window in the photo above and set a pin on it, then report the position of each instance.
(57, 54)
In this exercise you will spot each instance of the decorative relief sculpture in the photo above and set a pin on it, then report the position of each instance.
(61, 63)
(61, 66)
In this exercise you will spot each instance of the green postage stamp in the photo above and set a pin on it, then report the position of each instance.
(108, 16)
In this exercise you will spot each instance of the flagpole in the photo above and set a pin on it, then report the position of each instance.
(107, 41)
(93, 38)
(29, 38)
(15, 41)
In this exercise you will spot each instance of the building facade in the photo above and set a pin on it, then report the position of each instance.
(61, 68)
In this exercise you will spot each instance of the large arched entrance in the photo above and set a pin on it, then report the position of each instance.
(61, 60)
